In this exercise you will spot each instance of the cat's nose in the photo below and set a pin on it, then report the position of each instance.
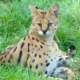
(44, 31)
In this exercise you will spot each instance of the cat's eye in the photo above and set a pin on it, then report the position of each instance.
(39, 24)
(49, 24)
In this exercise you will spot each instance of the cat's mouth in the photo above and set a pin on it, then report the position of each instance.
(45, 33)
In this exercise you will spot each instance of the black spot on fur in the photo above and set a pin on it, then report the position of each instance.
(5, 56)
(35, 55)
(30, 66)
(43, 53)
(39, 56)
(43, 43)
(37, 40)
(11, 56)
(36, 66)
(9, 61)
(33, 60)
(51, 59)
(36, 7)
(24, 38)
(25, 64)
(22, 45)
(45, 72)
(28, 44)
(1, 59)
(14, 49)
(46, 61)
(35, 45)
(28, 47)
(60, 59)
(41, 64)
(20, 55)
(53, 71)
(47, 64)
(41, 46)
(28, 56)
(32, 38)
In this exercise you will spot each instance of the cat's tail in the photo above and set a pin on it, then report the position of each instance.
(71, 51)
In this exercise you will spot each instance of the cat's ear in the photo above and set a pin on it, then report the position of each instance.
(34, 10)
(53, 10)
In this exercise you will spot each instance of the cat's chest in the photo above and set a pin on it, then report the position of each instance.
(45, 48)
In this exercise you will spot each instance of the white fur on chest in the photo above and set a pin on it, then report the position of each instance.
(51, 65)
(52, 59)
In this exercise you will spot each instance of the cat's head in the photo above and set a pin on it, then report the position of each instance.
(44, 23)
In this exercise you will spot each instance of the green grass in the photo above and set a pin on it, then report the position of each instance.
(15, 20)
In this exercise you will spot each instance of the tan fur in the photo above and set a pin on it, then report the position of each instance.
(37, 45)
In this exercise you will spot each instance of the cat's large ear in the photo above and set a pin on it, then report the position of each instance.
(34, 10)
(53, 10)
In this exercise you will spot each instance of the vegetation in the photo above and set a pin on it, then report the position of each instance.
(15, 20)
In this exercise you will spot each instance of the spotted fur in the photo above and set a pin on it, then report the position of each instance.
(38, 50)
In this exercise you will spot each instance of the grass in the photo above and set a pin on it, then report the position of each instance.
(15, 20)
